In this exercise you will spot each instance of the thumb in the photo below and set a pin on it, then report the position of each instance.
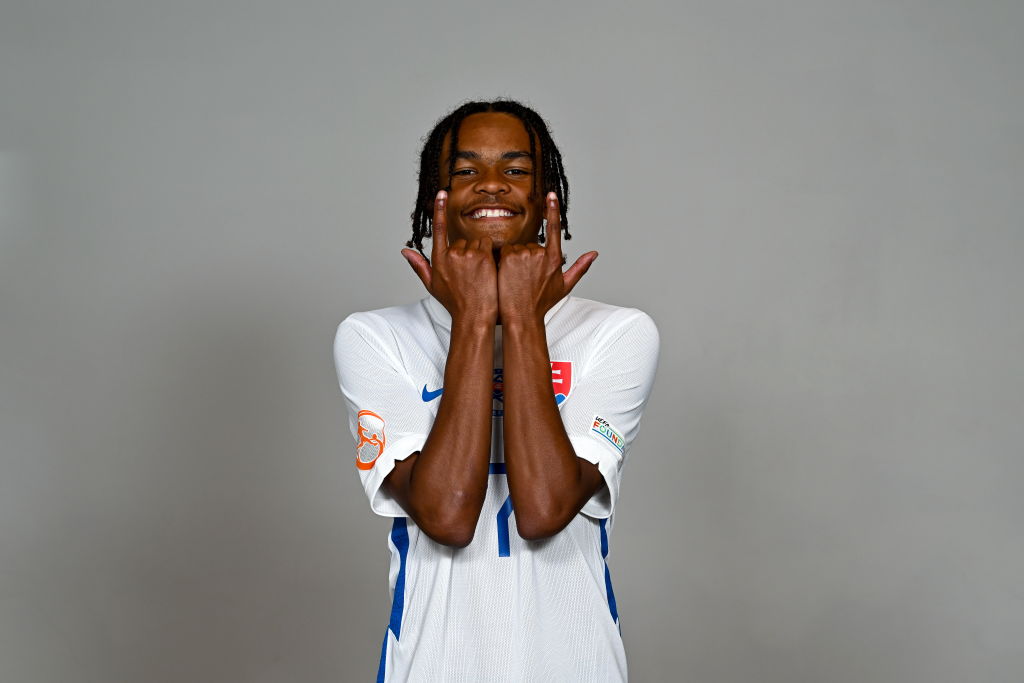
(419, 266)
(578, 270)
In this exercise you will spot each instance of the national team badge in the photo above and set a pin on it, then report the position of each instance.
(371, 439)
(561, 379)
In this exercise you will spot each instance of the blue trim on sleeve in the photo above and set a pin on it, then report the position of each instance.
(496, 468)
(607, 574)
(400, 537)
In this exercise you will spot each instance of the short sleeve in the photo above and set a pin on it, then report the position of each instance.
(388, 419)
(602, 414)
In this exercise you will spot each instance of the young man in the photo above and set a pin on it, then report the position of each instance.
(492, 419)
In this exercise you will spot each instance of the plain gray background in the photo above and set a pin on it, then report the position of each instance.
(818, 202)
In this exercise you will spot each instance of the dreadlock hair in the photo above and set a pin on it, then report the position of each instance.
(552, 173)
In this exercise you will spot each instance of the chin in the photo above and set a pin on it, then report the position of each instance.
(499, 242)
(499, 236)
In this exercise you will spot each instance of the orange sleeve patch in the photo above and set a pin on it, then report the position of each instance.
(371, 439)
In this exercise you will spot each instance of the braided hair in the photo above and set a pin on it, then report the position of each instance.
(552, 172)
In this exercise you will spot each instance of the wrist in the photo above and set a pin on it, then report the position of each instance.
(520, 315)
(476, 320)
(522, 324)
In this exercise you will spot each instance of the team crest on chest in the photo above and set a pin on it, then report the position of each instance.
(561, 379)
(561, 385)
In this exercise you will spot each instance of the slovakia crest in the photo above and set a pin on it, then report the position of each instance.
(561, 379)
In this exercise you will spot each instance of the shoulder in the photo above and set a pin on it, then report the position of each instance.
(386, 330)
(602, 321)
(393, 320)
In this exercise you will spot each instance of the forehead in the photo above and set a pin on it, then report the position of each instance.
(490, 133)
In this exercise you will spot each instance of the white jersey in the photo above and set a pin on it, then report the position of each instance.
(502, 608)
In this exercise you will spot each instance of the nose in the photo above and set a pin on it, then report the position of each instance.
(492, 181)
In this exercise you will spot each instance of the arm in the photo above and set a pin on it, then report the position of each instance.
(548, 483)
(442, 487)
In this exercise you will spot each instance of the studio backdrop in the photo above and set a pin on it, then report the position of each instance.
(817, 202)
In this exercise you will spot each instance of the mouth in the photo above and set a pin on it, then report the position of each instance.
(485, 212)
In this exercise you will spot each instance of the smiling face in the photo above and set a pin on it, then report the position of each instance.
(491, 192)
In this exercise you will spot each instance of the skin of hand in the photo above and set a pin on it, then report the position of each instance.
(442, 486)
(530, 279)
(463, 275)
(548, 483)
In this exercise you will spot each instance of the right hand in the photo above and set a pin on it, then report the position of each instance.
(462, 276)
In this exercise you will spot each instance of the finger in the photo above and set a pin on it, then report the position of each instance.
(419, 266)
(505, 250)
(440, 224)
(577, 270)
(486, 244)
(554, 228)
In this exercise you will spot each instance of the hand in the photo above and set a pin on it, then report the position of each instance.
(530, 277)
(462, 276)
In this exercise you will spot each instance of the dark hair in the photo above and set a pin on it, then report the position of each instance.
(552, 173)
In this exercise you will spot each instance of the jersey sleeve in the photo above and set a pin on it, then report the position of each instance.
(602, 414)
(387, 417)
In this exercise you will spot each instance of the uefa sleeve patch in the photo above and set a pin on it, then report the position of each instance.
(602, 429)
(371, 439)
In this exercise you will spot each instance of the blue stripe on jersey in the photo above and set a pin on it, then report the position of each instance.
(496, 468)
(607, 575)
(504, 549)
(383, 658)
(400, 537)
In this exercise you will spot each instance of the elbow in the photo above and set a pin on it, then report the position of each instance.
(538, 527)
(449, 536)
(453, 526)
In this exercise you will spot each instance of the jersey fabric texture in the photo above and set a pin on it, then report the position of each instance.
(502, 608)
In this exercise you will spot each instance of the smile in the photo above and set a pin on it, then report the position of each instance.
(492, 213)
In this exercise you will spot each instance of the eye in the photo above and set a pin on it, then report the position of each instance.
(463, 171)
(517, 171)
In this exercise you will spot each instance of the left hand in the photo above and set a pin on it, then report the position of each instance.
(530, 277)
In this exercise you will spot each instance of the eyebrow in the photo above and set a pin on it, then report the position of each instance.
(517, 154)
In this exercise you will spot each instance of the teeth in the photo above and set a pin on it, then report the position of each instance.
(492, 213)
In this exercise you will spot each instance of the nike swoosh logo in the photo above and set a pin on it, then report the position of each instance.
(429, 396)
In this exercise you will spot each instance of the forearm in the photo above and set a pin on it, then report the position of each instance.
(443, 486)
(546, 480)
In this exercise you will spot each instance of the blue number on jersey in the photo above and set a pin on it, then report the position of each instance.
(504, 547)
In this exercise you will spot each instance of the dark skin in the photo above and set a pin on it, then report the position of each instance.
(487, 268)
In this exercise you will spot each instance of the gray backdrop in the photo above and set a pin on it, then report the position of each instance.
(818, 202)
